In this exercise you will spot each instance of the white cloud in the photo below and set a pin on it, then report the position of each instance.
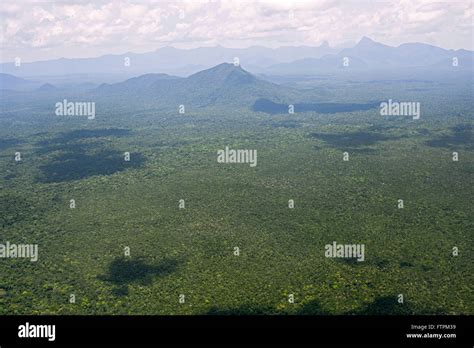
(44, 30)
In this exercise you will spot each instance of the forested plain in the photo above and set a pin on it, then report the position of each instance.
(135, 204)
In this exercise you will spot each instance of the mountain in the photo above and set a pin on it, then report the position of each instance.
(310, 66)
(405, 55)
(374, 54)
(408, 55)
(8, 81)
(366, 54)
(420, 54)
(169, 60)
(369, 55)
(47, 87)
(223, 84)
(140, 84)
(223, 75)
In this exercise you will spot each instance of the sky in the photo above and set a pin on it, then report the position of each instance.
(42, 30)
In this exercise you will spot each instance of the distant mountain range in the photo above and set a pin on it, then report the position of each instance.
(182, 62)
(229, 84)
(365, 55)
(224, 85)
(8, 81)
(370, 55)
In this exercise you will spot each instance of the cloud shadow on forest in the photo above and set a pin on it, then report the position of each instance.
(383, 305)
(461, 136)
(123, 272)
(352, 140)
(8, 142)
(73, 159)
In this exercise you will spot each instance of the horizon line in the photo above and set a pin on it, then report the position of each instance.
(243, 48)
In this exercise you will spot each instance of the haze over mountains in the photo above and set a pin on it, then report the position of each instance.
(224, 84)
(168, 60)
(370, 55)
(217, 82)
(365, 55)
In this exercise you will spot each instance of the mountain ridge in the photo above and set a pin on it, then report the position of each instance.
(225, 84)
(185, 62)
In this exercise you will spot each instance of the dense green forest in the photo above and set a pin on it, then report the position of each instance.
(190, 251)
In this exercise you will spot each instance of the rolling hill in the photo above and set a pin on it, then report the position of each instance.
(224, 84)
(12, 82)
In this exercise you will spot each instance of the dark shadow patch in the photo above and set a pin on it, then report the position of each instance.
(461, 136)
(388, 305)
(385, 305)
(6, 290)
(405, 264)
(124, 271)
(282, 124)
(80, 164)
(423, 131)
(79, 134)
(381, 263)
(7, 143)
(269, 107)
(381, 128)
(80, 154)
(10, 176)
(121, 290)
(351, 261)
(425, 268)
(352, 140)
(312, 308)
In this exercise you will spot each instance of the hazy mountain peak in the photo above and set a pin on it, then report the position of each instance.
(225, 67)
(222, 84)
(372, 52)
(324, 44)
(8, 81)
(47, 87)
(366, 41)
(224, 73)
(156, 76)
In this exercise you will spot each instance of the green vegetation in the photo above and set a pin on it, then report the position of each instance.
(191, 251)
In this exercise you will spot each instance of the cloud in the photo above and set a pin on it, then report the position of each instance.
(49, 29)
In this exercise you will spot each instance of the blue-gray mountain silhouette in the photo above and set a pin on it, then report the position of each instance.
(365, 54)
(225, 84)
